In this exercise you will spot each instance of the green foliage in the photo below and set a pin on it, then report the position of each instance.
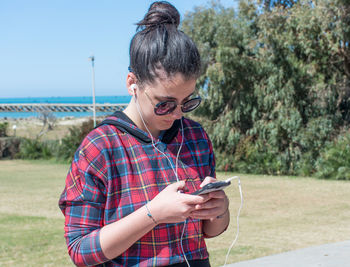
(334, 162)
(3, 129)
(62, 150)
(34, 149)
(9, 147)
(275, 83)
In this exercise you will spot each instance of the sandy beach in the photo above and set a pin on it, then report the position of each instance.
(32, 126)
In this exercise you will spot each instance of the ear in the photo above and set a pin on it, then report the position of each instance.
(131, 81)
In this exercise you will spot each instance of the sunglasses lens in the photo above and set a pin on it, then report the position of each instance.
(164, 108)
(191, 104)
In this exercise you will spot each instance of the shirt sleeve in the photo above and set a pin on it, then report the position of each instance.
(83, 203)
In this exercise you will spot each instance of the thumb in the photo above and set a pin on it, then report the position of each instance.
(178, 185)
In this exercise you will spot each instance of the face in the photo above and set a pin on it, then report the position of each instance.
(175, 89)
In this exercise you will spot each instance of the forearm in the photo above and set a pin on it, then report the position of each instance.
(215, 227)
(91, 244)
(108, 242)
(117, 237)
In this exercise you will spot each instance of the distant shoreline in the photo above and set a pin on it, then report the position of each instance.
(59, 119)
(58, 115)
(32, 126)
(121, 99)
(64, 99)
(60, 100)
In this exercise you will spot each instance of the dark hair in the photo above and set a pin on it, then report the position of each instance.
(159, 46)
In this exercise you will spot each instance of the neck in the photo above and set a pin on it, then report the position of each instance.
(133, 113)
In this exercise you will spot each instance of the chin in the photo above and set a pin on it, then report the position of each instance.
(166, 124)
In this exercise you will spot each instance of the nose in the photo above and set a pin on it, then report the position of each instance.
(177, 113)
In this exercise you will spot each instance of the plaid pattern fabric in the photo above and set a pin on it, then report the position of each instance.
(113, 174)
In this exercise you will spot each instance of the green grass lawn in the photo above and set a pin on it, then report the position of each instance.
(279, 214)
(31, 225)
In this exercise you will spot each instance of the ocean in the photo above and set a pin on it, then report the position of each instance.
(61, 100)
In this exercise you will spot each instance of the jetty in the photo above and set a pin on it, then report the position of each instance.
(44, 107)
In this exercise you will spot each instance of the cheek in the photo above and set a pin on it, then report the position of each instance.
(157, 122)
(154, 121)
(151, 118)
(147, 110)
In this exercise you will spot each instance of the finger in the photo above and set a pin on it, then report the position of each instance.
(195, 199)
(207, 180)
(217, 194)
(211, 204)
(177, 186)
(204, 214)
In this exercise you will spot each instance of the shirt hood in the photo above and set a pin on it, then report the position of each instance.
(122, 122)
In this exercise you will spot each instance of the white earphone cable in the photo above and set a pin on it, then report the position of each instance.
(177, 178)
(238, 214)
(153, 144)
(171, 165)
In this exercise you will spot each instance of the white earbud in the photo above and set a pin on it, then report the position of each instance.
(133, 88)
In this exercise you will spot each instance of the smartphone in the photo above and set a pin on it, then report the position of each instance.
(220, 185)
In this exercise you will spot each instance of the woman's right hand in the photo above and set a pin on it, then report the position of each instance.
(171, 206)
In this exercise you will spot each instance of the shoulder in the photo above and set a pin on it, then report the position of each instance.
(95, 153)
(99, 139)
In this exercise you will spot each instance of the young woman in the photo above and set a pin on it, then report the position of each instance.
(127, 200)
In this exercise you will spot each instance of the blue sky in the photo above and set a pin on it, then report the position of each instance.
(45, 44)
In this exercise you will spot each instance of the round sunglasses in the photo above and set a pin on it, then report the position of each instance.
(167, 107)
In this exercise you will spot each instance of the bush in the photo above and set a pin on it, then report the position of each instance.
(9, 147)
(34, 149)
(334, 162)
(60, 149)
(3, 129)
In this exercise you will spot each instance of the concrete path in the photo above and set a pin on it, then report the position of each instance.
(329, 255)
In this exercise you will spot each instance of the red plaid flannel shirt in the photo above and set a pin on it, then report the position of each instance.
(113, 174)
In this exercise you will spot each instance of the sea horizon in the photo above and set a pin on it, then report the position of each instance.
(119, 99)
(123, 99)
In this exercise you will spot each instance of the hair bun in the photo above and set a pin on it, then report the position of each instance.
(160, 12)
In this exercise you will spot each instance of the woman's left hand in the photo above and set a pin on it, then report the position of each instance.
(216, 205)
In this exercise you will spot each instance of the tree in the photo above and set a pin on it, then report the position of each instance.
(275, 83)
(268, 4)
(48, 119)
